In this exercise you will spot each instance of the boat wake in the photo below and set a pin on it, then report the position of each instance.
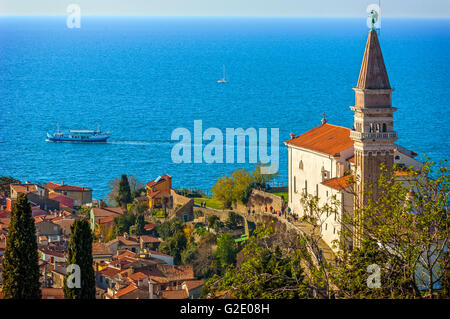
(138, 142)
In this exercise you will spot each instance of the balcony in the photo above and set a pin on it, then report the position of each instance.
(355, 135)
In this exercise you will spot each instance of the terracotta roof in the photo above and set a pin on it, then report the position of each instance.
(24, 188)
(154, 194)
(152, 252)
(99, 249)
(177, 273)
(137, 276)
(339, 183)
(149, 227)
(62, 199)
(126, 253)
(174, 294)
(110, 272)
(106, 220)
(192, 284)
(325, 138)
(130, 288)
(161, 179)
(51, 185)
(373, 74)
(52, 253)
(52, 293)
(150, 239)
(107, 211)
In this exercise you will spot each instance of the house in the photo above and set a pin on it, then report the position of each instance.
(158, 190)
(149, 242)
(63, 200)
(52, 256)
(331, 160)
(97, 214)
(193, 288)
(100, 253)
(81, 195)
(52, 293)
(123, 242)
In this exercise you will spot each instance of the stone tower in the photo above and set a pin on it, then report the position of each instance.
(373, 132)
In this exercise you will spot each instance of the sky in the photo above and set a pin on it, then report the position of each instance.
(271, 8)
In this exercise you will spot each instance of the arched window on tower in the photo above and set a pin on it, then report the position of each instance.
(384, 127)
(371, 128)
(378, 127)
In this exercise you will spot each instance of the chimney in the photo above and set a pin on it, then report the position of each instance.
(292, 135)
(62, 182)
(150, 289)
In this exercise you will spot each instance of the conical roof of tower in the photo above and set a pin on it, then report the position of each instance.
(373, 74)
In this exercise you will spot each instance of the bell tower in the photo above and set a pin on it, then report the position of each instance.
(373, 132)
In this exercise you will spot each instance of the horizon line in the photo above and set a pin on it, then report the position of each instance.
(220, 16)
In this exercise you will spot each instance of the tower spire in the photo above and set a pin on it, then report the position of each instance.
(373, 74)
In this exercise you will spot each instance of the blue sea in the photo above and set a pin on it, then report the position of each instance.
(142, 77)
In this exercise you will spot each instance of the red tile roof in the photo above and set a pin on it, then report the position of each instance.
(52, 293)
(149, 227)
(162, 179)
(72, 188)
(325, 138)
(174, 294)
(154, 194)
(62, 199)
(150, 239)
(339, 183)
(130, 288)
(24, 188)
(110, 272)
(192, 284)
(99, 249)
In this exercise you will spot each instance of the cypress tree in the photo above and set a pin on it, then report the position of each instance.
(140, 225)
(124, 194)
(21, 260)
(80, 253)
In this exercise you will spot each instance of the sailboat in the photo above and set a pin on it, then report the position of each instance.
(222, 80)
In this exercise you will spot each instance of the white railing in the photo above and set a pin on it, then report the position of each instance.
(378, 135)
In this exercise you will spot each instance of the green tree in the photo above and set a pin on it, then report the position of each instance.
(20, 263)
(226, 250)
(80, 253)
(140, 224)
(269, 272)
(212, 221)
(169, 228)
(123, 222)
(5, 181)
(124, 192)
(234, 220)
(174, 247)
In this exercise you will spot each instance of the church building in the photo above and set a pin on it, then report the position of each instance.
(324, 160)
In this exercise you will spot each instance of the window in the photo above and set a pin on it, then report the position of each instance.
(397, 157)
(326, 226)
(317, 189)
(300, 165)
(384, 127)
(334, 230)
(295, 185)
(371, 128)
(306, 186)
(378, 127)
